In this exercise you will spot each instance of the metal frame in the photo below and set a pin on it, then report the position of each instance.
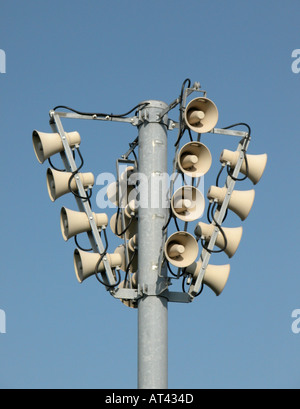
(221, 211)
(83, 205)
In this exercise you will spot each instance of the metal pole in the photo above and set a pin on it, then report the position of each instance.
(152, 216)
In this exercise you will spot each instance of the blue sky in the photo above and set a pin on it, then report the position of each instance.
(109, 56)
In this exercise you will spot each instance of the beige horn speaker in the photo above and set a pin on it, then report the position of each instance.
(130, 231)
(47, 144)
(188, 204)
(233, 236)
(194, 159)
(73, 223)
(201, 115)
(256, 164)
(133, 243)
(134, 262)
(114, 190)
(240, 202)
(58, 182)
(85, 263)
(131, 209)
(181, 249)
(126, 174)
(215, 277)
(113, 194)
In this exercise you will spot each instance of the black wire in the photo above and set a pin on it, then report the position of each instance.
(106, 241)
(212, 211)
(108, 285)
(100, 114)
(176, 223)
(229, 170)
(116, 224)
(76, 242)
(102, 255)
(190, 134)
(203, 242)
(186, 81)
(241, 124)
(209, 212)
(183, 287)
(133, 145)
(88, 195)
(129, 265)
(182, 128)
(218, 177)
(55, 168)
(173, 274)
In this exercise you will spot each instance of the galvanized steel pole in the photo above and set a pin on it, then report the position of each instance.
(152, 216)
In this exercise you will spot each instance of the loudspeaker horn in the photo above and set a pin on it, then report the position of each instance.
(215, 277)
(181, 249)
(134, 262)
(256, 164)
(194, 159)
(130, 231)
(240, 202)
(233, 236)
(85, 263)
(113, 192)
(133, 243)
(188, 204)
(47, 144)
(72, 222)
(58, 182)
(131, 209)
(201, 115)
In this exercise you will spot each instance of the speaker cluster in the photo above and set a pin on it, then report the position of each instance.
(187, 204)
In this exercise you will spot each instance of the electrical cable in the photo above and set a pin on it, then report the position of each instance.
(88, 195)
(76, 242)
(173, 274)
(181, 122)
(128, 266)
(176, 223)
(183, 287)
(190, 134)
(229, 170)
(203, 242)
(55, 168)
(101, 114)
(218, 177)
(102, 255)
(117, 222)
